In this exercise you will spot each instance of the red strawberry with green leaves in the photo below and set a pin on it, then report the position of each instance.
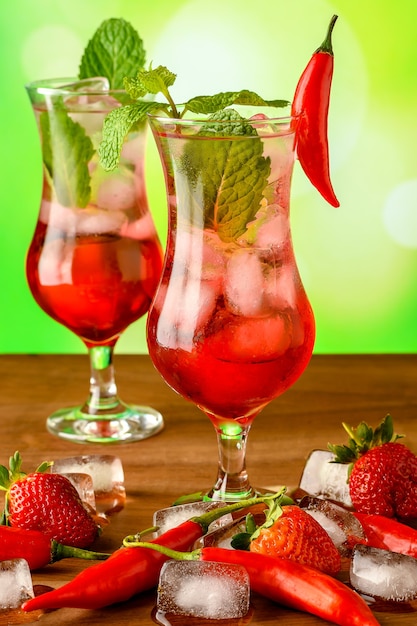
(291, 533)
(45, 502)
(383, 474)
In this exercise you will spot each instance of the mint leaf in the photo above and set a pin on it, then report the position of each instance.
(150, 81)
(115, 51)
(233, 173)
(212, 104)
(66, 151)
(117, 124)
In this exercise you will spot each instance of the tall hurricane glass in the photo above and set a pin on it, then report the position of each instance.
(95, 258)
(231, 327)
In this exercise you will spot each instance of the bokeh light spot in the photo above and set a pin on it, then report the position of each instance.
(38, 59)
(400, 214)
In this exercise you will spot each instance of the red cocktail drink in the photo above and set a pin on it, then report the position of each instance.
(95, 258)
(231, 327)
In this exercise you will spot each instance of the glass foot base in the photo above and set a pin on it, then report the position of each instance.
(132, 424)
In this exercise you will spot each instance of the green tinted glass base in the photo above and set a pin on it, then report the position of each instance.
(133, 423)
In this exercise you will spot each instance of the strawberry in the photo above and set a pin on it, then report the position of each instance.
(291, 533)
(383, 473)
(46, 502)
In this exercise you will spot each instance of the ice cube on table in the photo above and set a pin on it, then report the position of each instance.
(221, 537)
(172, 516)
(322, 477)
(203, 589)
(341, 525)
(383, 574)
(15, 583)
(83, 483)
(107, 475)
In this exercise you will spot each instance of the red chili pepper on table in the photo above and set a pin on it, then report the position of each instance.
(388, 534)
(291, 584)
(130, 570)
(38, 549)
(311, 106)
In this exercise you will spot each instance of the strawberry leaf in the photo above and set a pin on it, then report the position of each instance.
(363, 438)
(241, 541)
(43, 467)
(342, 454)
(4, 478)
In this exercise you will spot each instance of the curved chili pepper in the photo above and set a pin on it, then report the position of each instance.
(130, 571)
(388, 534)
(311, 106)
(289, 583)
(38, 549)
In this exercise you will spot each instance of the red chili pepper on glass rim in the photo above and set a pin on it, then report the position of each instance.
(131, 570)
(289, 583)
(38, 549)
(311, 106)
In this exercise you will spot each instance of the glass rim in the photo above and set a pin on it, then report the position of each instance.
(67, 84)
(194, 120)
(191, 125)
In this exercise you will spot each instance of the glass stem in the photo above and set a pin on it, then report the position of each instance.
(232, 478)
(103, 390)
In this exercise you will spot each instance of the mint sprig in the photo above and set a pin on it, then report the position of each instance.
(234, 175)
(212, 104)
(115, 51)
(159, 80)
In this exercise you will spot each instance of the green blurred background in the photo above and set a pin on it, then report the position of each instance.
(358, 262)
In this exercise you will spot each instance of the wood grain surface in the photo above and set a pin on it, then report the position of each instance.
(183, 457)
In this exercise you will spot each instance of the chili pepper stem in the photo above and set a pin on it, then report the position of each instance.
(204, 521)
(137, 536)
(59, 551)
(194, 555)
(326, 46)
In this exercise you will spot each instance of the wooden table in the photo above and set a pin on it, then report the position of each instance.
(182, 458)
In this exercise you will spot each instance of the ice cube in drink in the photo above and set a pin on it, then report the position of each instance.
(107, 474)
(244, 284)
(203, 589)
